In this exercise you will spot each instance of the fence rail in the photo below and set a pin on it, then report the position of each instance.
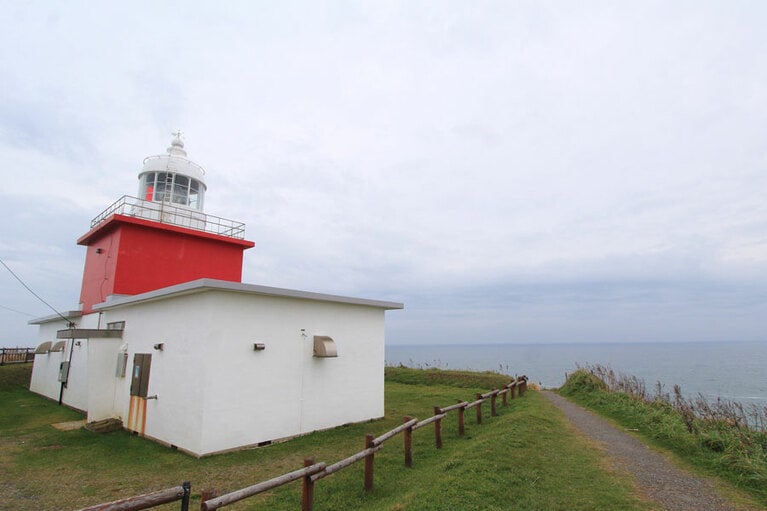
(16, 355)
(313, 472)
(236, 496)
(149, 500)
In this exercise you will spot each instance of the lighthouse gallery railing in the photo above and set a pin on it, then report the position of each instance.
(167, 213)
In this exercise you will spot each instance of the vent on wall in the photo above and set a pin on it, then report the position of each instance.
(324, 346)
(43, 348)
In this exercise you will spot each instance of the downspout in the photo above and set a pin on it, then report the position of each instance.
(71, 350)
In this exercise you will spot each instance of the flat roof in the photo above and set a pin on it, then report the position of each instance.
(55, 317)
(113, 221)
(203, 285)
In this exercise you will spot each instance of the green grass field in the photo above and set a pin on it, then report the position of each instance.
(526, 458)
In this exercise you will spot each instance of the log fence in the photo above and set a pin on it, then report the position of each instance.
(150, 500)
(313, 472)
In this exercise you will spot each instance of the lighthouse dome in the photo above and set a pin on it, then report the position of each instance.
(172, 178)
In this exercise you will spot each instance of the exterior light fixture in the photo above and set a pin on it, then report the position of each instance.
(259, 346)
(159, 346)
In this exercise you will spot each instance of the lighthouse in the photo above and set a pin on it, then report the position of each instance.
(162, 237)
(170, 344)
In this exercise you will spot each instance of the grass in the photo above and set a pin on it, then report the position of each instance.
(526, 458)
(715, 439)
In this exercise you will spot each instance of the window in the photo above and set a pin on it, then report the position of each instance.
(180, 190)
(175, 188)
(195, 197)
(148, 189)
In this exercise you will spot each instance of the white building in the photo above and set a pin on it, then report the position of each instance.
(170, 342)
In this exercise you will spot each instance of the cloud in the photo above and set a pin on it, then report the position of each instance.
(540, 170)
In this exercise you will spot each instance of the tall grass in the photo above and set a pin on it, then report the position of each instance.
(722, 435)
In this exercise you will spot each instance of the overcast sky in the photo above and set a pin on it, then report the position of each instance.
(511, 171)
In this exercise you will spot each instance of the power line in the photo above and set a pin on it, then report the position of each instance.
(17, 311)
(33, 293)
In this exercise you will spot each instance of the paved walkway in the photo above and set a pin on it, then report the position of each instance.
(656, 477)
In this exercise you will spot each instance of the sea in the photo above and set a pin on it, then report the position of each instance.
(736, 370)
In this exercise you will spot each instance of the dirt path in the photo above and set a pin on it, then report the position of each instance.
(663, 483)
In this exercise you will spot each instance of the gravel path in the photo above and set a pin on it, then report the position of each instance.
(656, 477)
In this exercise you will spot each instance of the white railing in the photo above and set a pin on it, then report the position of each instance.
(167, 213)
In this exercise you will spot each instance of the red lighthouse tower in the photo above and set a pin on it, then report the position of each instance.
(162, 237)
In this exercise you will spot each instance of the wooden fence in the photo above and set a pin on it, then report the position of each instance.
(312, 471)
(16, 355)
(150, 500)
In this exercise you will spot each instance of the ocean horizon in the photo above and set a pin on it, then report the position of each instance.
(732, 370)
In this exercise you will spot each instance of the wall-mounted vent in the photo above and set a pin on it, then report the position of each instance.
(44, 348)
(324, 346)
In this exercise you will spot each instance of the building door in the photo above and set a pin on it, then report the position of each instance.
(139, 387)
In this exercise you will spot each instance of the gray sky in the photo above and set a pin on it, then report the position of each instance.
(512, 171)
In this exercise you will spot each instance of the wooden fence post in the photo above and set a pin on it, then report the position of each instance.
(187, 486)
(207, 495)
(438, 428)
(503, 400)
(511, 389)
(307, 488)
(369, 464)
(461, 428)
(407, 435)
(479, 408)
(492, 404)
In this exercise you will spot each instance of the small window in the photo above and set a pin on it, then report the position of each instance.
(116, 325)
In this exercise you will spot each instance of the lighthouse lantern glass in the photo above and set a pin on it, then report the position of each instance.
(174, 188)
(180, 190)
(195, 195)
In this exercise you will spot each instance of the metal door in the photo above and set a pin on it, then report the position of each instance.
(139, 386)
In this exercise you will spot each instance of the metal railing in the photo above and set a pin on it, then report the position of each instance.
(16, 355)
(167, 213)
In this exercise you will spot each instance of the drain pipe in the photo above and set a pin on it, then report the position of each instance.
(65, 379)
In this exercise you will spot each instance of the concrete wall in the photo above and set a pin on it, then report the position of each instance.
(46, 367)
(102, 378)
(216, 393)
(176, 371)
(256, 396)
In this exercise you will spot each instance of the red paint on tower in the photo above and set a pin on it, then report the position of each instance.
(128, 256)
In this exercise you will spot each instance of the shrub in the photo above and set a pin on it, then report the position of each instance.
(583, 381)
